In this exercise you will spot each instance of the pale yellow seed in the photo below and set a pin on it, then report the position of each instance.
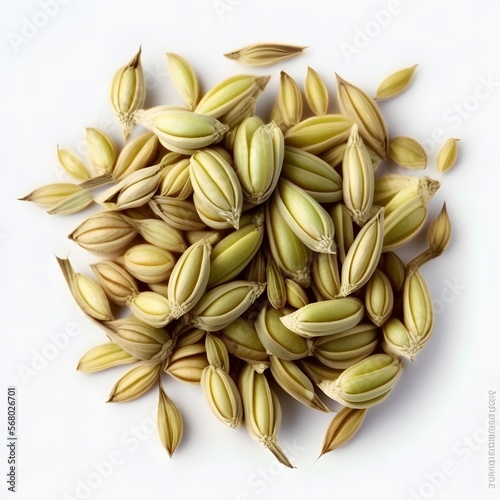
(447, 155)
(395, 83)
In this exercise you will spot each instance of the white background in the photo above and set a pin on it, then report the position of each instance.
(428, 440)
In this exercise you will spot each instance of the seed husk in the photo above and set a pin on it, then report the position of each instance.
(363, 255)
(447, 155)
(296, 383)
(358, 105)
(184, 79)
(342, 428)
(325, 318)
(170, 425)
(306, 217)
(407, 152)
(88, 293)
(136, 382)
(104, 356)
(366, 383)
(395, 83)
(316, 93)
(264, 54)
(277, 338)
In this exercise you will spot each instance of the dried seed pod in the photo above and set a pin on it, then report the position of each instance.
(418, 311)
(342, 428)
(104, 356)
(188, 335)
(189, 278)
(277, 338)
(358, 105)
(363, 255)
(233, 253)
(404, 217)
(388, 186)
(262, 411)
(306, 217)
(438, 237)
(395, 270)
(136, 382)
(229, 93)
(265, 54)
(407, 152)
(291, 255)
(217, 192)
(325, 318)
(170, 426)
(180, 130)
(88, 293)
(176, 181)
(73, 203)
(316, 93)
(223, 304)
(151, 308)
(334, 155)
(180, 214)
(159, 233)
(72, 164)
(187, 363)
(344, 229)
(325, 275)
(319, 133)
(366, 383)
(256, 269)
(379, 298)
(358, 180)
(346, 348)
(136, 154)
(398, 341)
(134, 190)
(312, 174)
(447, 155)
(222, 395)
(118, 284)
(104, 233)
(52, 194)
(317, 371)
(241, 340)
(217, 353)
(395, 83)
(276, 291)
(149, 263)
(142, 341)
(101, 150)
(287, 110)
(128, 92)
(184, 79)
(258, 157)
(296, 383)
(295, 294)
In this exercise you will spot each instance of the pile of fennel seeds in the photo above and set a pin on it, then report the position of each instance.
(242, 255)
